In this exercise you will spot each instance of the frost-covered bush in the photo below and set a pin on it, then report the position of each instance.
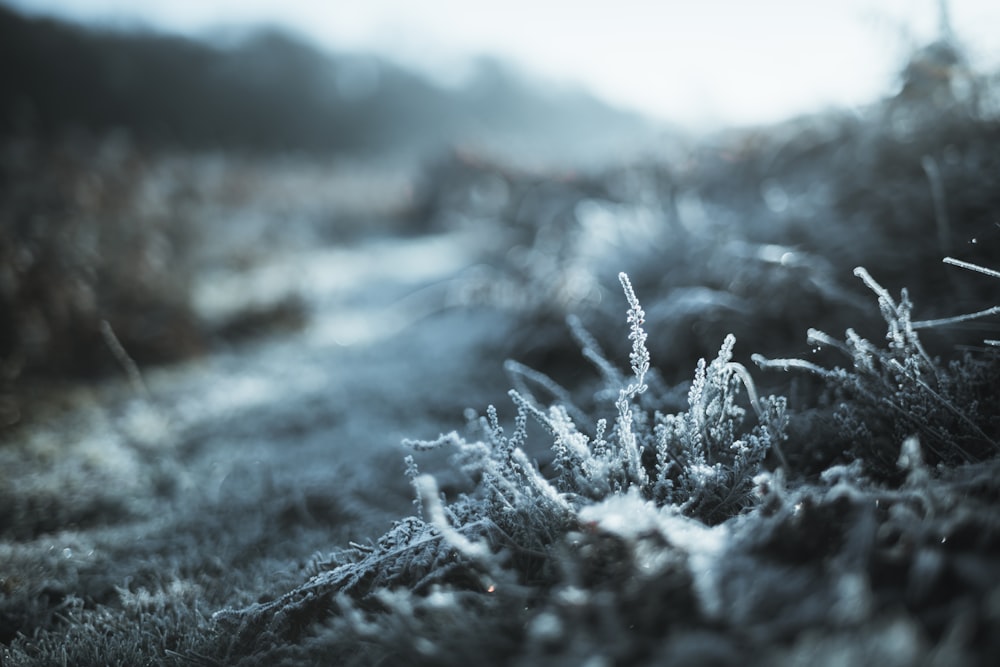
(506, 533)
(658, 535)
(888, 394)
(705, 524)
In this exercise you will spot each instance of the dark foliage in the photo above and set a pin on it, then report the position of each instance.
(86, 237)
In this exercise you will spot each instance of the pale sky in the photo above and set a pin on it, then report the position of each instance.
(701, 63)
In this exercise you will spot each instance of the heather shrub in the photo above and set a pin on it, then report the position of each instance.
(509, 533)
(650, 533)
(889, 394)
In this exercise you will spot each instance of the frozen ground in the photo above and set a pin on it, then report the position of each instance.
(855, 523)
(234, 468)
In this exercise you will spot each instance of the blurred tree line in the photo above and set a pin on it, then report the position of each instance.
(267, 90)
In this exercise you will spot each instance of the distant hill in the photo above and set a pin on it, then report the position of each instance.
(269, 90)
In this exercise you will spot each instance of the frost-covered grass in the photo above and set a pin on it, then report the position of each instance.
(674, 536)
(645, 519)
(738, 454)
(507, 533)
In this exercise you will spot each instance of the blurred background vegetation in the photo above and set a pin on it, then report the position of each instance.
(135, 166)
(132, 160)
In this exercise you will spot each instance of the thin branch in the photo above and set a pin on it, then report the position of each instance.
(971, 267)
(945, 321)
(122, 357)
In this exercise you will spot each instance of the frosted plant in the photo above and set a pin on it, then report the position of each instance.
(640, 365)
(995, 310)
(705, 463)
(702, 462)
(903, 385)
